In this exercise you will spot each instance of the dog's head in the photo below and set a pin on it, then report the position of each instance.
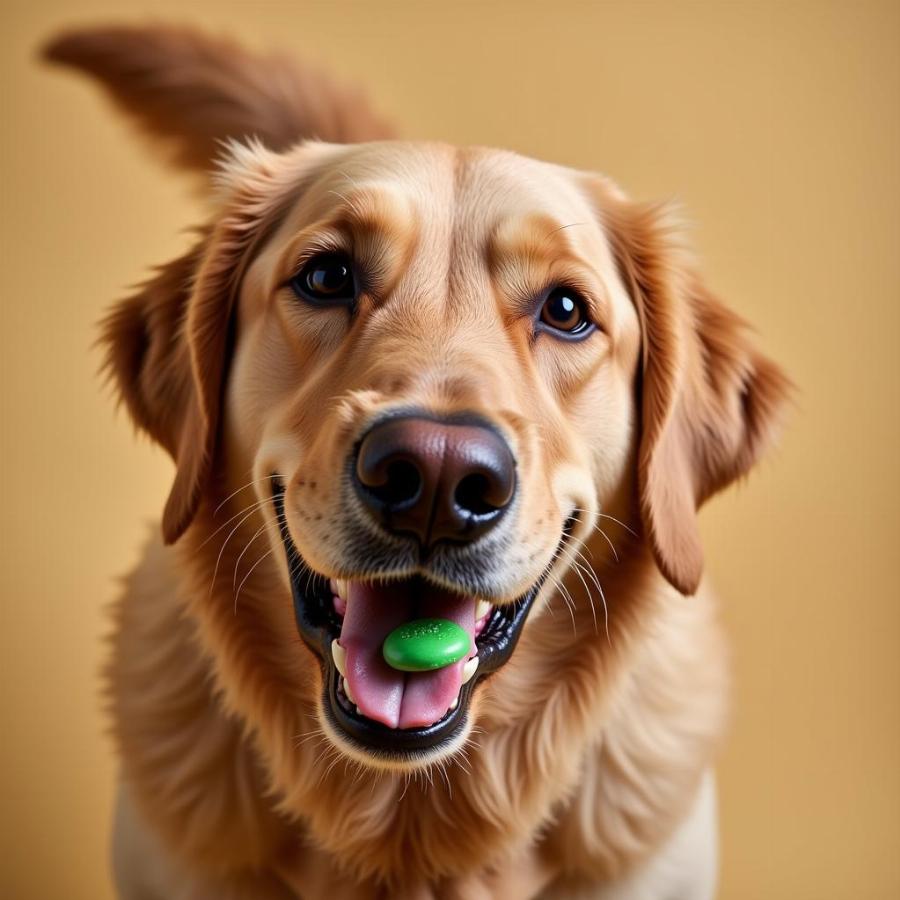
(441, 373)
(438, 368)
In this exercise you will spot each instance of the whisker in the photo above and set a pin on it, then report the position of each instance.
(250, 507)
(462, 760)
(606, 516)
(585, 567)
(605, 537)
(237, 564)
(308, 736)
(562, 228)
(231, 534)
(596, 581)
(631, 531)
(242, 488)
(567, 598)
(443, 768)
(334, 762)
(238, 594)
(576, 568)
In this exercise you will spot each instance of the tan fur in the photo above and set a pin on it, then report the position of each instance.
(588, 747)
(193, 92)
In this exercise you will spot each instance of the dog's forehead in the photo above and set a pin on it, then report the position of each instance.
(444, 221)
(469, 195)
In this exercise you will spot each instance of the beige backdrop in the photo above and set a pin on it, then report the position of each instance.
(777, 125)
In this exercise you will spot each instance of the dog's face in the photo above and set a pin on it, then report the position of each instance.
(439, 368)
(433, 374)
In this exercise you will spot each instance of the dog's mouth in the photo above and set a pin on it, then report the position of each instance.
(382, 709)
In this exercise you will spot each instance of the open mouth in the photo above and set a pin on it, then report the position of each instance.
(385, 710)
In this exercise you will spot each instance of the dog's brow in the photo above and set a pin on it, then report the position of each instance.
(537, 238)
(377, 211)
(374, 224)
(530, 252)
(564, 227)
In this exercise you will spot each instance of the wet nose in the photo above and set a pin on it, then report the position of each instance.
(434, 479)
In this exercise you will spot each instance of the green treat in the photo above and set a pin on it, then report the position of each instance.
(425, 644)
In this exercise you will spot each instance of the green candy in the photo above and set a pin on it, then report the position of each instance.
(425, 644)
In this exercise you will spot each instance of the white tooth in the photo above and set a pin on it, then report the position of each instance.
(339, 655)
(454, 704)
(340, 587)
(482, 609)
(469, 669)
(350, 696)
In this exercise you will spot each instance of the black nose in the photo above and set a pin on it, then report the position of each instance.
(434, 479)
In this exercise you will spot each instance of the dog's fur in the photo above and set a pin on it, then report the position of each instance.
(586, 752)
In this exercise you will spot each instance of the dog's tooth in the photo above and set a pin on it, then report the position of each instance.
(350, 696)
(455, 703)
(482, 609)
(340, 587)
(339, 655)
(469, 669)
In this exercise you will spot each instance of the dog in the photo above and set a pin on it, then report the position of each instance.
(403, 382)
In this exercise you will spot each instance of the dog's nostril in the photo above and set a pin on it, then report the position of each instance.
(403, 483)
(472, 495)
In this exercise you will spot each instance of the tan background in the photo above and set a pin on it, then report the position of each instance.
(777, 125)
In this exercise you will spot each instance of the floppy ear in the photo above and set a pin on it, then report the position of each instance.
(711, 403)
(168, 345)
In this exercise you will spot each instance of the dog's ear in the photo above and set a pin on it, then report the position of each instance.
(168, 345)
(710, 402)
(193, 91)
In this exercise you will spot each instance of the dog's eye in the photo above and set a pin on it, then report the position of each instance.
(564, 310)
(327, 278)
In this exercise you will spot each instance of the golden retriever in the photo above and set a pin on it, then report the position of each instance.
(405, 381)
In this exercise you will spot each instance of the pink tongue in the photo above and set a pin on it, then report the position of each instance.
(428, 695)
(399, 699)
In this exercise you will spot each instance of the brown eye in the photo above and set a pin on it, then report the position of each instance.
(564, 310)
(327, 278)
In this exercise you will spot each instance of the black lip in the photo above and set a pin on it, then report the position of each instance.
(318, 625)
